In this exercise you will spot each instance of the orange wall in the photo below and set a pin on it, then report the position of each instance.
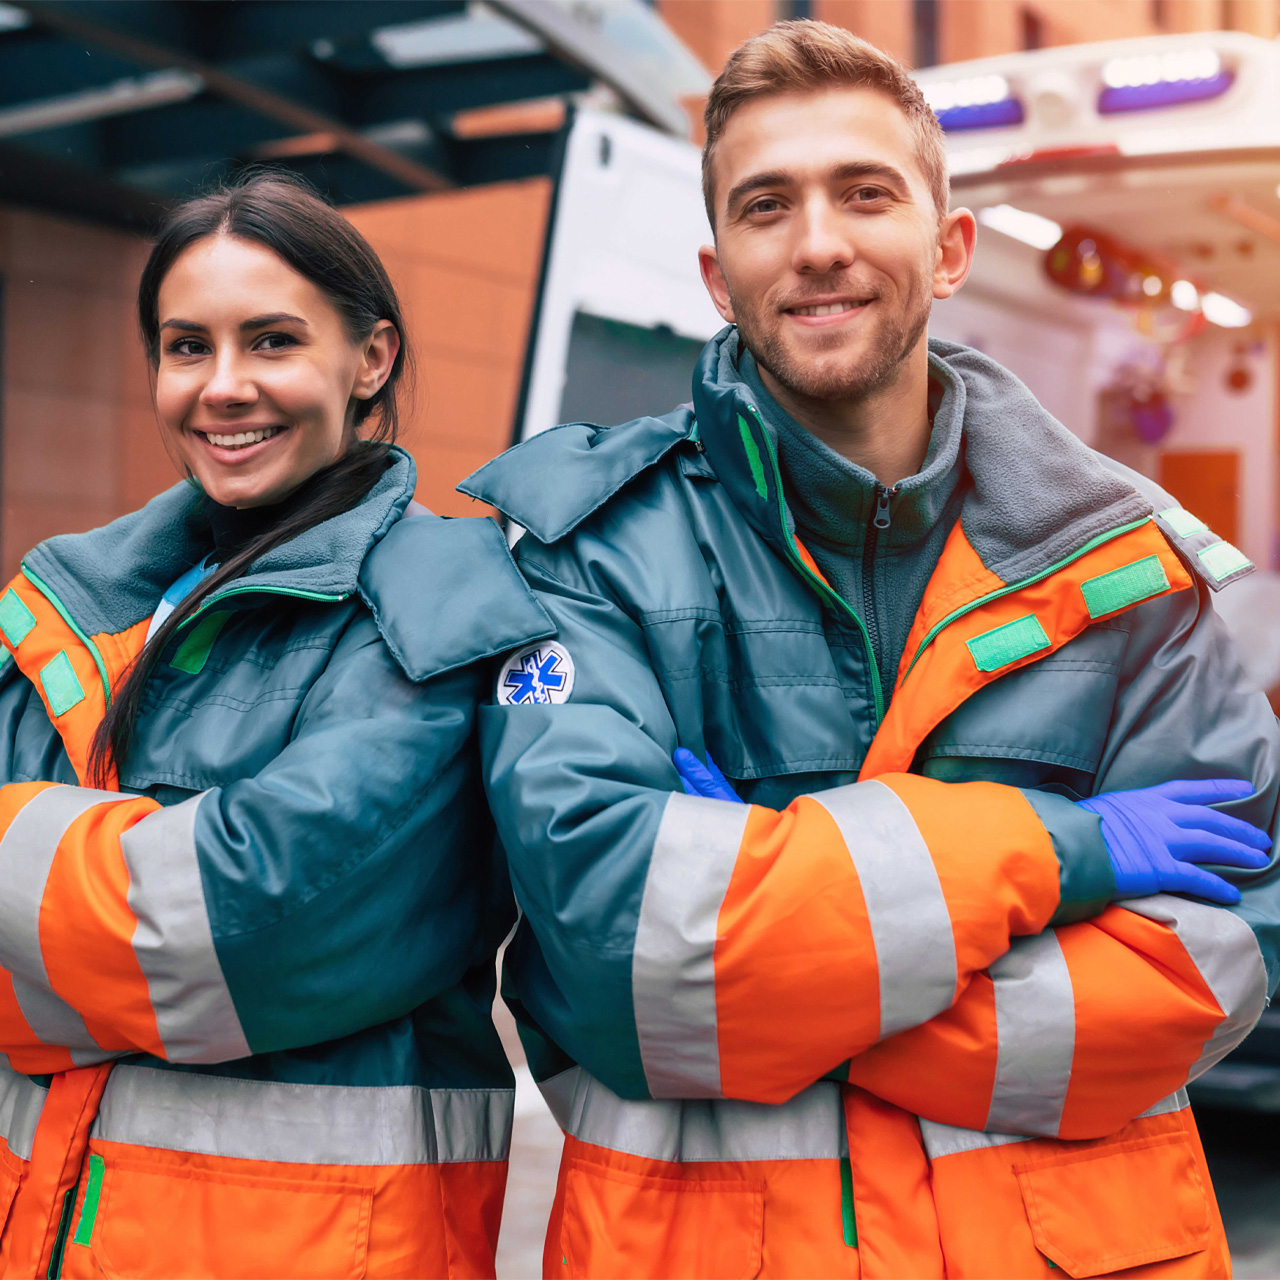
(80, 442)
(466, 266)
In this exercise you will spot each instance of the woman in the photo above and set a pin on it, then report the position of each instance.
(249, 906)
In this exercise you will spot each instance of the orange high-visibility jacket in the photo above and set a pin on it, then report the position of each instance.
(882, 1020)
(244, 997)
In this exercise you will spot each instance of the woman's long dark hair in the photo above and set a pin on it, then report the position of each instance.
(285, 215)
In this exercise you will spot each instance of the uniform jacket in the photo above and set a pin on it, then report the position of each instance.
(880, 1020)
(244, 997)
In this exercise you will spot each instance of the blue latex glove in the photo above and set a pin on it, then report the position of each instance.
(703, 779)
(1155, 837)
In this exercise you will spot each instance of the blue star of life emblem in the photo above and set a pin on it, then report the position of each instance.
(538, 675)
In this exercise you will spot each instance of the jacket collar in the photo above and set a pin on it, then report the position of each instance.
(1037, 494)
(112, 578)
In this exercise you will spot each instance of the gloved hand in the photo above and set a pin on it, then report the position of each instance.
(1157, 834)
(703, 779)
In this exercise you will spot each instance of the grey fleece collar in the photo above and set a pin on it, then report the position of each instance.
(1036, 494)
(833, 499)
(111, 578)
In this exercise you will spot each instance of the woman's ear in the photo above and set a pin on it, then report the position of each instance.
(378, 355)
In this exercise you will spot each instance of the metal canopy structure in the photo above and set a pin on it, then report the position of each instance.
(110, 109)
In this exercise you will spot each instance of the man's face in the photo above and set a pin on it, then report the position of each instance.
(828, 243)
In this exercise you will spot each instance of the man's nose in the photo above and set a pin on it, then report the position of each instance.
(823, 242)
(229, 383)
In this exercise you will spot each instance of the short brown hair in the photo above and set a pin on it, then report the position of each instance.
(803, 54)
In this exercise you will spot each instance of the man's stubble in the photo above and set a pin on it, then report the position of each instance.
(900, 334)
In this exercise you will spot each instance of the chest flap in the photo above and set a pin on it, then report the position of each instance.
(1043, 725)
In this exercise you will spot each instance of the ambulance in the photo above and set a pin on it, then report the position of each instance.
(1128, 270)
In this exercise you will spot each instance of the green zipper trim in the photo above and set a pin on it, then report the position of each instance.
(89, 1210)
(46, 591)
(296, 592)
(877, 692)
(753, 457)
(1018, 586)
(848, 1220)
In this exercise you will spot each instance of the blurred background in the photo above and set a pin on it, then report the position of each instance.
(528, 170)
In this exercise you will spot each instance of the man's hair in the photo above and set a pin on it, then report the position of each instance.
(807, 56)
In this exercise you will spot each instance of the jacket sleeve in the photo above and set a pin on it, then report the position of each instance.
(341, 886)
(688, 947)
(1075, 1032)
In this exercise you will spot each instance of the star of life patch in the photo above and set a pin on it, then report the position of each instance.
(539, 674)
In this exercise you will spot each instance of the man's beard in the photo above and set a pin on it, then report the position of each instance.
(808, 380)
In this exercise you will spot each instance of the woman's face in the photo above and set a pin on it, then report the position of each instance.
(258, 378)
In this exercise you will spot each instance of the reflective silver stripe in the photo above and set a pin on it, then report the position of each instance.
(946, 1140)
(809, 1127)
(673, 980)
(174, 941)
(1036, 1029)
(910, 924)
(21, 1101)
(27, 851)
(304, 1124)
(1177, 1101)
(1224, 949)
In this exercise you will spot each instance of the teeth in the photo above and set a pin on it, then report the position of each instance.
(241, 438)
(828, 309)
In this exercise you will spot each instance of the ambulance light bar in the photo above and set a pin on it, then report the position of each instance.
(1152, 81)
(976, 102)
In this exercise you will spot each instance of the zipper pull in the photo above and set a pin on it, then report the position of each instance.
(882, 506)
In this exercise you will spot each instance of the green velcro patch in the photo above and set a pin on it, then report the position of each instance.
(61, 684)
(92, 1194)
(1182, 522)
(1008, 643)
(1124, 586)
(193, 652)
(1222, 560)
(16, 620)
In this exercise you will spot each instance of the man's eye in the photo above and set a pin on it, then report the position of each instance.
(865, 195)
(768, 205)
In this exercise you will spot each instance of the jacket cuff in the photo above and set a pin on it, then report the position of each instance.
(1087, 882)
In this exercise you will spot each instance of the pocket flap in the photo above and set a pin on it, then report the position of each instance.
(630, 1226)
(1113, 1207)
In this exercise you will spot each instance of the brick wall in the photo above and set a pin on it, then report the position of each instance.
(80, 442)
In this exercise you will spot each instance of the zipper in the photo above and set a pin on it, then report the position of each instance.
(296, 593)
(45, 590)
(877, 693)
(955, 614)
(880, 520)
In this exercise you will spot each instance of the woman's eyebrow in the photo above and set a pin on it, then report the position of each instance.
(189, 325)
(276, 317)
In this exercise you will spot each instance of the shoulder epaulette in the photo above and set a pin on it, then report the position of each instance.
(554, 481)
(1215, 561)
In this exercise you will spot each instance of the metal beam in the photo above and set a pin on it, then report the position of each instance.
(582, 47)
(255, 98)
(45, 182)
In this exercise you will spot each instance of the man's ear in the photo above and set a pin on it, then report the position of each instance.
(713, 278)
(956, 239)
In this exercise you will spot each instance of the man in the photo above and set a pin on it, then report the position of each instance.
(886, 1018)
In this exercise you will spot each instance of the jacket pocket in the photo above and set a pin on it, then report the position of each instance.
(11, 1171)
(155, 1220)
(637, 1227)
(1109, 1208)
